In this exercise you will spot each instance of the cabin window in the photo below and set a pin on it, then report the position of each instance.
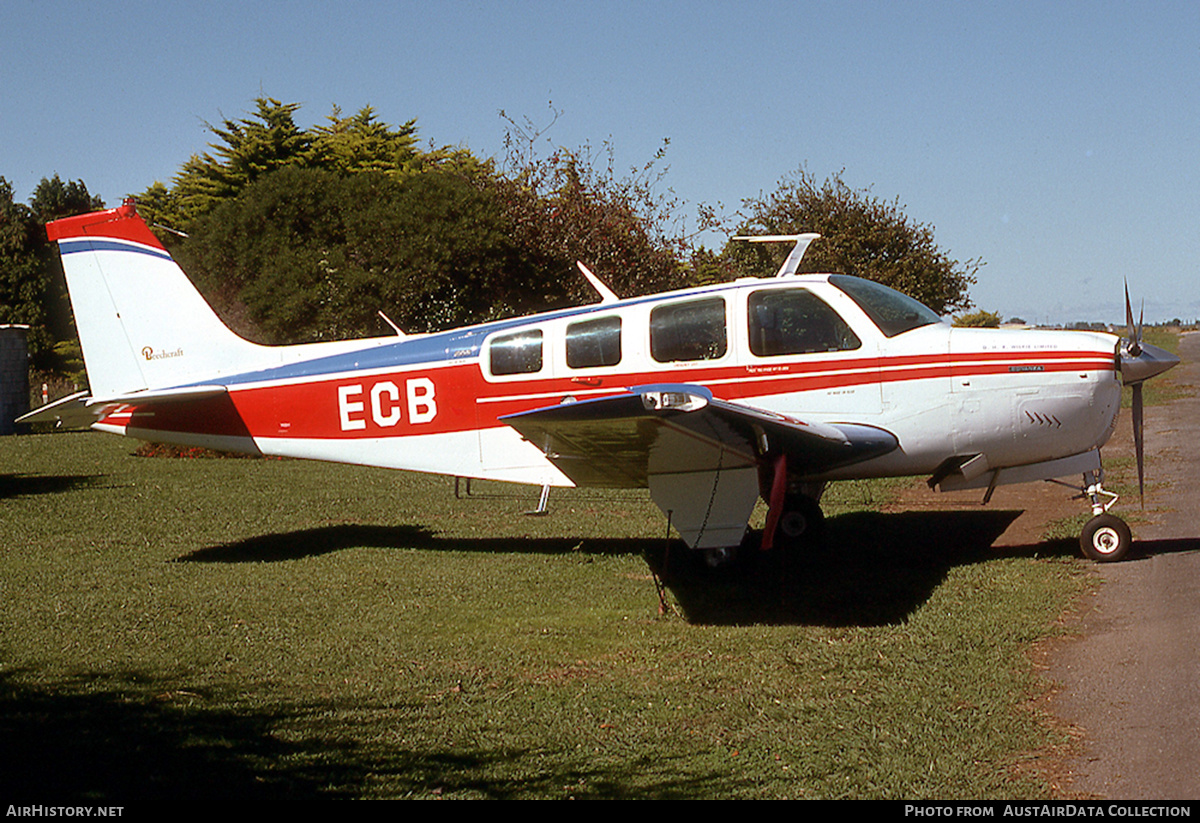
(688, 331)
(894, 313)
(796, 321)
(592, 343)
(518, 353)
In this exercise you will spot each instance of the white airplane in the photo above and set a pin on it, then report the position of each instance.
(711, 397)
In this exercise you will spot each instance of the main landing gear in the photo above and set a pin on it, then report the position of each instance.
(794, 516)
(794, 522)
(801, 523)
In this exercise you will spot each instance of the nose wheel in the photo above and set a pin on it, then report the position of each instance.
(1105, 539)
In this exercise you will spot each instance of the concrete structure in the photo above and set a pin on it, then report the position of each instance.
(14, 376)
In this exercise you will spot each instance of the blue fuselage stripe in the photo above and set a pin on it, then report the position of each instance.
(83, 244)
(461, 344)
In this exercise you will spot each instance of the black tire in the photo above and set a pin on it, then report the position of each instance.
(801, 524)
(1105, 539)
(731, 561)
(723, 558)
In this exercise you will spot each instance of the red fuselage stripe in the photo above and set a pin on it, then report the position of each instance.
(455, 398)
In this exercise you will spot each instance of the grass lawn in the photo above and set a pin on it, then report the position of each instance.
(174, 628)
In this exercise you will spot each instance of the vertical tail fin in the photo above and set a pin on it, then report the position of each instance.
(141, 322)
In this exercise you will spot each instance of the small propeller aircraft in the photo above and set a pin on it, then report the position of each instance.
(711, 397)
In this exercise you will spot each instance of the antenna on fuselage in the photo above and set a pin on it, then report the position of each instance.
(388, 320)
(607, 295)
(794, 257)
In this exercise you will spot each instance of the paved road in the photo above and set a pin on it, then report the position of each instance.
(1132, 684)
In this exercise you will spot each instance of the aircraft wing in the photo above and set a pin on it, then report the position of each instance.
(681, 428)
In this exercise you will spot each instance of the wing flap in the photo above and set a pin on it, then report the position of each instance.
(617, 442)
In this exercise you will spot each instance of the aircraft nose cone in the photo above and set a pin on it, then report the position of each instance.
(1149, 362)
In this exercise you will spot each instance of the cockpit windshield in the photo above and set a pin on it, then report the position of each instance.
(894, 313)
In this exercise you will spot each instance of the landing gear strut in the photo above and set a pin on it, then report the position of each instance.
(794, 516)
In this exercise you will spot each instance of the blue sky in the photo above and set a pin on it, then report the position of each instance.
(1058, 142)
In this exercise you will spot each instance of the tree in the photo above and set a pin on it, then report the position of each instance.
(361, 143)
(23, 275)
(307, 254)
(300, 235)
(53, 199)
(573, 206)
(247, 149)
(860, 235)
(31, 283)
(561, 211)
(980, 319)
(250, 148)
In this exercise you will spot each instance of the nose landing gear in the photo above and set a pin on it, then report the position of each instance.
(1106, 538)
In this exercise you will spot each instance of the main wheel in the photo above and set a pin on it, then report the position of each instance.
(724, 557)
(1105, 539)
(802, 522)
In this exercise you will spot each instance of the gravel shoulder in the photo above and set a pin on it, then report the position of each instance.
(1131, 683)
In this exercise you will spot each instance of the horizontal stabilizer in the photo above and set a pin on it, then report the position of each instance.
(140, 398)
(81, 410)
(69, 412)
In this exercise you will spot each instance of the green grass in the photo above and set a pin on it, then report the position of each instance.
(243, 629)
(1164, 338)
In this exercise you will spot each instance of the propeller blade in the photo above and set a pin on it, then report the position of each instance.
(1141, 317)
(1134, 346)
(1138, 441)
(1138, 363)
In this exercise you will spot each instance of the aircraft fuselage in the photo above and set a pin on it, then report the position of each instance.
(435, 402)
